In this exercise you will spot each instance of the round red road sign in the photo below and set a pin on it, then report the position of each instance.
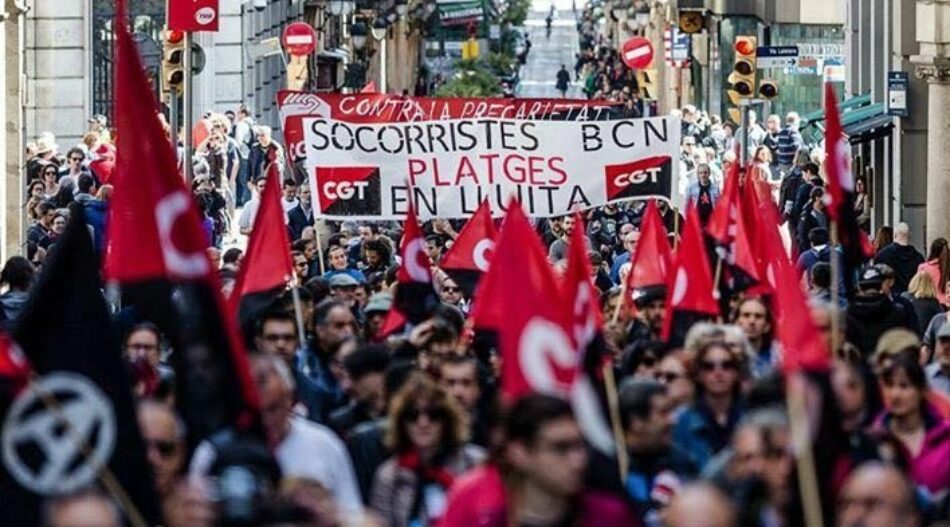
(299, 39)
(637, 53)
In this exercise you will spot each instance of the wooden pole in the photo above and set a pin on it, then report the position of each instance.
(804, 458)
(623, 296)
(298, 312)
(316, 231)
(835, 286)
(613, 401)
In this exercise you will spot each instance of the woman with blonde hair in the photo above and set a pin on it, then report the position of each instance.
(428, 434)
(922, 293)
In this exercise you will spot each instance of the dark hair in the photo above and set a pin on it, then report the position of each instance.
(370, 358)
(811, 168)
(531, 412)
(635, 396)
(300, 245)
(17, 273)
(909, 365)
(940, 252)
(373, 227)
(883, 237)
(323, 309)
(319, 288)
(816, 192)
(85, 183)
(274, 313)
(75, 150)
(44, 207)
(335, 240)
(818, 236)
(380, 247)
(821, 275)
(231, 255)
(434, 238)
(289, 182)
(634, 354)
(417, 388)
(143, 326)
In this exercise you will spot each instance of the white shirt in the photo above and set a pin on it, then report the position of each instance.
(248, 213)
(309, 451)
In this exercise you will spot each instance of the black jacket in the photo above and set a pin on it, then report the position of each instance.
(869, 316)
(904, 260)
(297, 221)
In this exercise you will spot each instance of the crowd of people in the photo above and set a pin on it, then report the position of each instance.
(409, 430)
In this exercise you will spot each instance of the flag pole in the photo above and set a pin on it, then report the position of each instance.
(804, 458)
(623, 298)
(835, 288)
(298, 311)
(613, 401)
(316, 231)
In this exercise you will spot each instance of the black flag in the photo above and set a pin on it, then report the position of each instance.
(75, 423)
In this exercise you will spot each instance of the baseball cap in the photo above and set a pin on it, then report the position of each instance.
(871, 278)
(644, 295)
(378, 303)
(343, 280)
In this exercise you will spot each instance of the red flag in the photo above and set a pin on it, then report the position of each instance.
(728, 228)
(156, 243)
(537, 350)
(837, 166)
(267, 264)
(582, 309)
(14, 368)
(415, 297)
(469, 256)
(771, 250)
(689, 289)
(653, 259)
(369, 88)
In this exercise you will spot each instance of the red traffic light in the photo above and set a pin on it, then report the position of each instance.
(745, 46)
(174, 36)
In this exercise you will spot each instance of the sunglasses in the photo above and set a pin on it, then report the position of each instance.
(451, 289)
(412, 414)
(667, 376)
(163, 447)
(75, 159)
(726, 365)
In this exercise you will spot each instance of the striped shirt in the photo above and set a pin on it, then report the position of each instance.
(789, 142)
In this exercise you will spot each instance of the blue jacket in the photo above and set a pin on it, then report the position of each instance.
(692, 193)
(697, 432)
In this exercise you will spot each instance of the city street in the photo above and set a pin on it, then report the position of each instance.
(548, 54)
(350, 263)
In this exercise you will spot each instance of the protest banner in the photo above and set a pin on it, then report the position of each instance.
(294, 106)
(373, 169)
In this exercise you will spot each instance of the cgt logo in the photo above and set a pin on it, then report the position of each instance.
(349, 191)
(642, 178)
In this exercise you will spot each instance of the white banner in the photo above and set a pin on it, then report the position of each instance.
(447, 167)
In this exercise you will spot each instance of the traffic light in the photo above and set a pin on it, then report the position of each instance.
(742, 78)
(768, 89)
(173, 60)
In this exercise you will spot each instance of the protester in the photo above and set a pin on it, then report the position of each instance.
(902, 257)
(427, 436)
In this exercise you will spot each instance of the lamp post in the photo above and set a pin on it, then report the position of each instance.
(380, 30)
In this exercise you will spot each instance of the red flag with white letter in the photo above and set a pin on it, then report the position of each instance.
(535, 340)
(415, 297)
(156, 252)
(469, 256)
(581, 302)
(689, 290)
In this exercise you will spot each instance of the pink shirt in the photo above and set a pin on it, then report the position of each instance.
(933, 269)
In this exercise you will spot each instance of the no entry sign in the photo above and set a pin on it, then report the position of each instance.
(637, 53)
(299, 39)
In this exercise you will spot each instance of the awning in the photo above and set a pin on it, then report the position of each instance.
(867, 124)
(461, 13)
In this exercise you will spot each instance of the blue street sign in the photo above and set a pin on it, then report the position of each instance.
(777, 56)
(898, 83)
